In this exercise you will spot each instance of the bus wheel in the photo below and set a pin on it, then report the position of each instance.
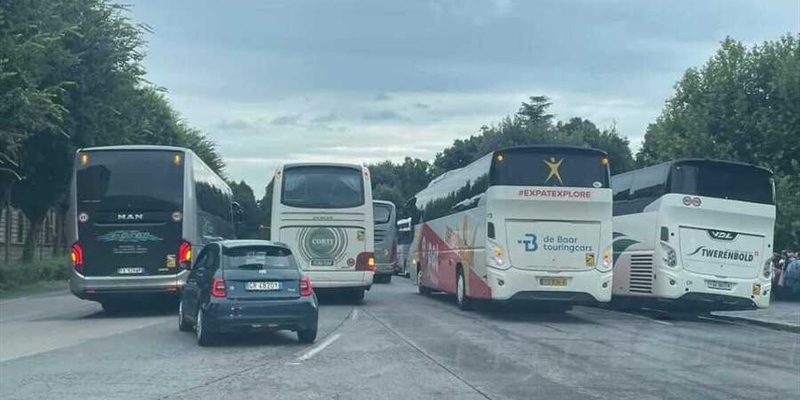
(463, 301)
(421, 289)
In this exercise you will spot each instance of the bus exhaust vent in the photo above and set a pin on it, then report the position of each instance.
(641, 275)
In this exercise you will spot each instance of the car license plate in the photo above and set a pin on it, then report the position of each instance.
(321, 263)
(262, 286)
(130, 270)
(719, 285)
(553, 281)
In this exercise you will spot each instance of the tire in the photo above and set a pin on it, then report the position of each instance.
(358, 296)
(307, 336)
(421, 289)
(205, 338)
(463, 301)
(183, 324)
(112, 306)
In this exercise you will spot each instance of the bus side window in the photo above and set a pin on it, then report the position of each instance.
(621, 186)
(648, 185)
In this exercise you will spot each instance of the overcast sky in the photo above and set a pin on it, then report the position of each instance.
(363, 81)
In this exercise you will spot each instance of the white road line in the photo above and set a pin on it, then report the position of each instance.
(354, 315)
(316, 349)
(662, 322)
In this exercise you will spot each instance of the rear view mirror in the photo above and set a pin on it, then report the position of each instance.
(238, 212)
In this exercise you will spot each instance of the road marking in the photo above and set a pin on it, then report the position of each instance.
(14, 300)
(662, 322)
(316, 349)
(354, 315)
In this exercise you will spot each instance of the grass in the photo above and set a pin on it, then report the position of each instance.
(18, 276)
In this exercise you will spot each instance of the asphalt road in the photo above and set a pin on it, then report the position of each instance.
(397, 345)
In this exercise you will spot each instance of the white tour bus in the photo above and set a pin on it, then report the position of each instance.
(404, 238)
(137, 213)
(323, 211)
(694, 234)
(524, 223)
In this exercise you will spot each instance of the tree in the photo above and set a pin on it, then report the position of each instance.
(399, 182)
(743, 105)
(243, 194)
(582, 131)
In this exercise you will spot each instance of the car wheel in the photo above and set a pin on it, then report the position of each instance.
(421, 289)
(112, 306)
(307, 336)
(358, 296)
(463, 301)
(204, 337)
(183, 324)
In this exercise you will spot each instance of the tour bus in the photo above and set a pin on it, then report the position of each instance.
(385, 215)
(137, 213)
(404, 239)
(323, 211)
(525, 223)
(694, 234)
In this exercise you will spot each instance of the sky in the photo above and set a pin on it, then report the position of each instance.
(364, 81)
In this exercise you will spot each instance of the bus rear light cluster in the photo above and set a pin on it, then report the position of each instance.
(767, 272)
(77, 256)
(365, 262)
(669, 256)
(495, 255)
(185, 253)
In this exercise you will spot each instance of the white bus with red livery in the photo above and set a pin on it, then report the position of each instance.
(525, 223)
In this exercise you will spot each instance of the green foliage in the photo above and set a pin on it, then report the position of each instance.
(743, 105)
(12, 277)
(399, 182)
(243, 194)
(71, 77)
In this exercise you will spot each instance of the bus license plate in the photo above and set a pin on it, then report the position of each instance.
(262, 286)
(719, 285)
(553, 281)
(321, 263)
(130, 270)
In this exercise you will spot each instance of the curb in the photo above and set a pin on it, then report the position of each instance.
(767, 324)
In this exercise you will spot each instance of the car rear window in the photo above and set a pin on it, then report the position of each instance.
(258, 257)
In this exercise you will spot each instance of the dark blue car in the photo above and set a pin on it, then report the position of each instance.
(247, 286)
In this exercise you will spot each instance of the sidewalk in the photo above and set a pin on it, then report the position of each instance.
(784, 315)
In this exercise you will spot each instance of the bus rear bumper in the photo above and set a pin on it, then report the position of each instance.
(582, 287)
(696, 288)
(98, 287)
(340, 279)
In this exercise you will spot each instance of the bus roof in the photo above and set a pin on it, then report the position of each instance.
(577, 149)
(703, 160)
(136, 147)
(322, 164)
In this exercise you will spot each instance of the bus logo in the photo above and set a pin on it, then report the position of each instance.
(129, 237)
(83, 217)
(130, 217)
(530, 242)
(722, 235)
(554, 166)
(692, 201)
(321, 242)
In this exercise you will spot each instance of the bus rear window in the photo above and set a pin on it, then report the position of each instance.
(139, 179)
(322, 187)
(723, 181)
(381, 213)
(258, 257)
(540, 167)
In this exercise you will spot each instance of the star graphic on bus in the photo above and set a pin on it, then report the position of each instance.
(554, 165)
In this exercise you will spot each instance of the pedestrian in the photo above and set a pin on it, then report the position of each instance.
(791, 281)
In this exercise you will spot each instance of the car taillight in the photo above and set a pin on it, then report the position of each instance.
(218, 288)
(365, 262)
(185, 252)
(305, 286)
(77, 256)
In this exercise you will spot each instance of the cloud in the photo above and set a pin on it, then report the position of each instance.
(324, 119)
(384, 115)
(232, 125)
(383, 97)
(286, 120)
(421, 106)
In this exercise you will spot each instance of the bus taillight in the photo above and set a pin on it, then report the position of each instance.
(184, 253)
(77, 256)
(365, 262)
